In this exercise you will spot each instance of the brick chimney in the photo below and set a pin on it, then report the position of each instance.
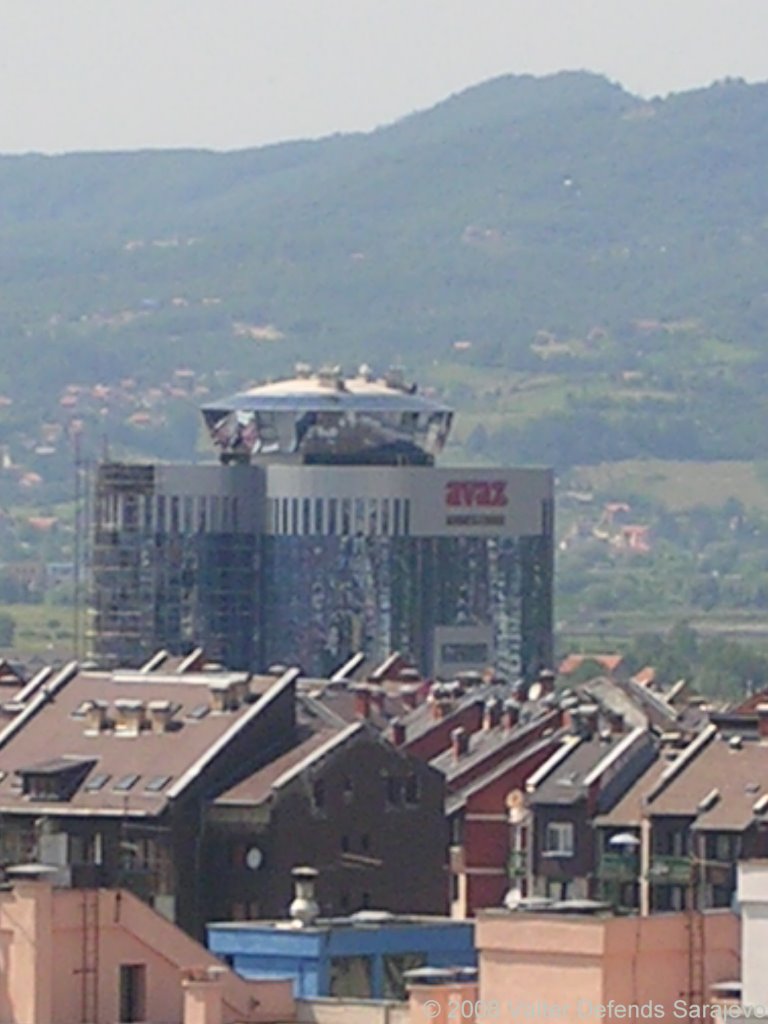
(762, 721)
(491, 713)
(159, 713)
(547, 681)
(510, 714)
(96, 717)
(130, 716)
(459, 742)
(440, 701)
(397, 732)
(362, 701)
(409, 695)
(378, 697)
(222, 697)
(615, 721)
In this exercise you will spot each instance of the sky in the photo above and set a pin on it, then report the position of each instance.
(229, 74)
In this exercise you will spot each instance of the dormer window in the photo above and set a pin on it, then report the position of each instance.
(56, 780)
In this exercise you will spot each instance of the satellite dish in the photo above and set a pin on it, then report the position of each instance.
(515, 802)
(254, 858)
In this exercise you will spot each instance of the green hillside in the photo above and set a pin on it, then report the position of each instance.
(555, 225)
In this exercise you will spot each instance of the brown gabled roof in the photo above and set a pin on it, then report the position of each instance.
(750, 705)
(628, 811)
(259, 787)
(488, 744)
(53, 726)
(341, 700)
(719, 787)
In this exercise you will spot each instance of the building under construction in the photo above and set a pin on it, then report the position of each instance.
(325, 529)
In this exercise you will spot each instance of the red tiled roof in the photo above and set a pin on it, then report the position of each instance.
(610, 662)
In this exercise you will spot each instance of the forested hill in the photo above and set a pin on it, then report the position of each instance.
(558, 220)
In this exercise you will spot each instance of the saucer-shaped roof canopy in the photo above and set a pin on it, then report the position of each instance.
(326, 417)
(330, 391)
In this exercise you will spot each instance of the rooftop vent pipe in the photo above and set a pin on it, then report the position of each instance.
(304, 910)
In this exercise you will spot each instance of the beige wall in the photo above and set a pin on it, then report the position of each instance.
(543, 967)
(350, 1011)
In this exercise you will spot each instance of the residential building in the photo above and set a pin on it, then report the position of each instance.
(368, 814)
(106, 774)
(692, 816)
(592, 767)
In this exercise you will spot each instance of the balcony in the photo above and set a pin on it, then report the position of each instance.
(618, 867)
(517, 864)
(667, 870)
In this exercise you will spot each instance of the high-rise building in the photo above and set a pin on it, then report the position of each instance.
(324, 530)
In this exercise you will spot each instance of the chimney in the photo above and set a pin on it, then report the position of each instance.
(440, 700)
(304, 910)
(615, 721)
(588, 714)
(239, 691)
(159, 712)
(96, 717)
(459, 742)
(221, 695)
(510, 714)
(378, 696)
(362, 701)
(409, 695)
(547, 681)
(398, 732)
(203, 990)
(762, 721)
(491, 713)
(130, 716)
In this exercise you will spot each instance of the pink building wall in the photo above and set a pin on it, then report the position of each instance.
(61, 951)
(573, 970)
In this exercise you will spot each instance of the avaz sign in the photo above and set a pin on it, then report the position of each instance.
(476, 493)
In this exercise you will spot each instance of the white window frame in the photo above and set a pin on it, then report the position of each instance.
(559, 839)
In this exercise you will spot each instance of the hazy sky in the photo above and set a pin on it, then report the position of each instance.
(224, 74)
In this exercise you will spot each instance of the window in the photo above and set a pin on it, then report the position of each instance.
(346, 516)
(348, 790)
(96, 782)
(365, 843)
(394, 791)
(318, 795)
(133, 992)
(412, 789)
(157, 783)
(125, 783)
(345, 844)
(558, 840)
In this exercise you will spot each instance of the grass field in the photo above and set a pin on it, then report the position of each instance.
(42, 630)
(678, 485)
